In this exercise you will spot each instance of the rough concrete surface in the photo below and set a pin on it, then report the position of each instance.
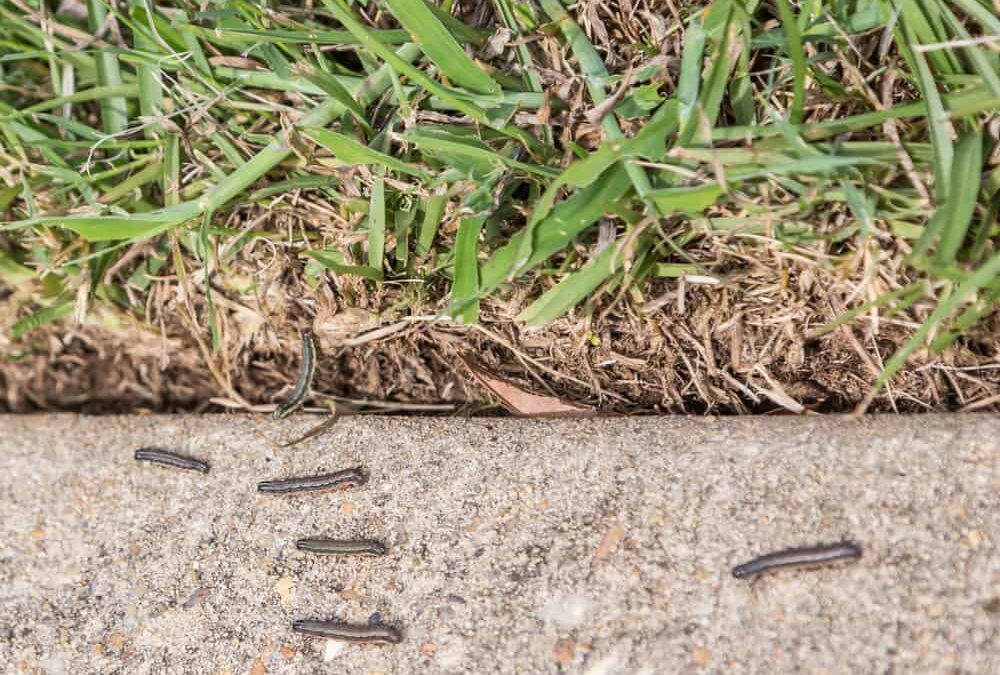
(576, 546)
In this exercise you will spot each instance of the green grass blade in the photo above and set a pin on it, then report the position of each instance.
(961, 196)
(109, 228)
(574, 288)
(171, 185)
(11, 271)
(940, 127)
(350, 151)
(149, 174)
(469, 150)
(950, 222)
(687, 199)
(62, 309)
(149, 77)
(334, 261)
(689, 83)
(440, 46)
(793, 43)
(970, 317)
(402, 66)
(433, 211)
(554, 232)
(376, 225)
(114, 111)
(332, 86)
(249, 36)
(740, 86)
(465, 288)
(96, 94)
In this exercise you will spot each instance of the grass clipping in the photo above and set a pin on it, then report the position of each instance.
(627, 206)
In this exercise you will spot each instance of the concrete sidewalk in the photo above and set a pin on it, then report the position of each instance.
(575, 546)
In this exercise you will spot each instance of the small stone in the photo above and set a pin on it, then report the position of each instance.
(347, 508)
(563, 651)
(428, 649)
(332, 650)
(287, 652)
(196, 598)
(285, 588)
(701, 656)
(567, 611)
(258, 667)
(608, 543)
(350, 594)
(116, 640)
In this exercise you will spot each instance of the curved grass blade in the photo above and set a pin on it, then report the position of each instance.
(554, 232)
(433, 210)
(41, 317)
(334, 261)
(110, 228)
(440, 47)
(940, 127)
(574, 288)
(961, 196)
(349, 151)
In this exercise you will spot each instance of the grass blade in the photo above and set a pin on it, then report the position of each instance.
(961, 196)
(574, 288)
(465, 288)
(114, 111)
(690, 78)
(332, 86)
(61, 309)
(433, 210)
(110, 228)
(554, 232)
(940, 126)
(440, 47)
(793, 43)
(349, 151)
(376, 225)
(334, 261)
